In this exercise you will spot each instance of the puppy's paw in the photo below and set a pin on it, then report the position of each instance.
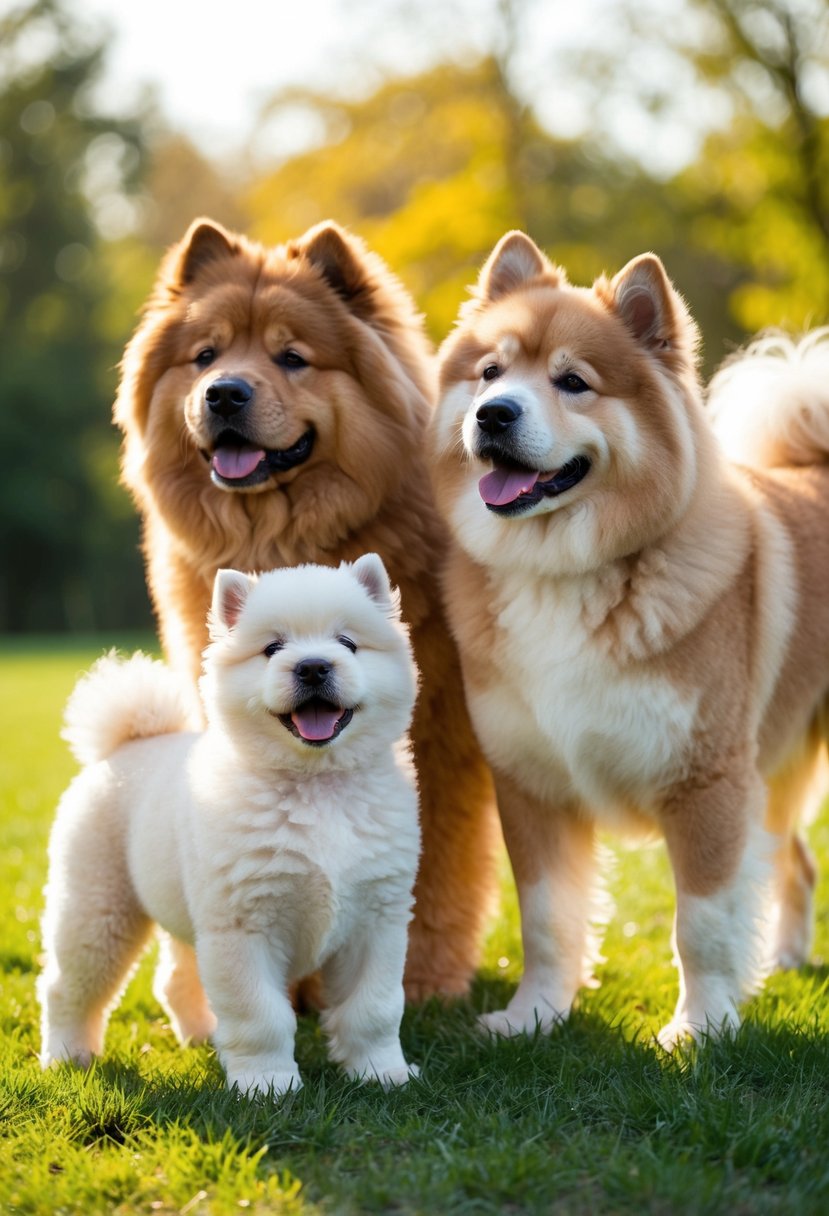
(393, 1077)
(66, 1048)
(75, 1059)
(389, 1078)
(271, 1083)
(681, 1030)
(674, 1033)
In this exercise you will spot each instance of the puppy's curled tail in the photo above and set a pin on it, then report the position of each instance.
(770, 403)
(121, 699)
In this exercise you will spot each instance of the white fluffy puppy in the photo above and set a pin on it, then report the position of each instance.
(282, 839)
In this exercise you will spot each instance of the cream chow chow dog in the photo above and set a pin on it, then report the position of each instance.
(281, 840)
(643, 621)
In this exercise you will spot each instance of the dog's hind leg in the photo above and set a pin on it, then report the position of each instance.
(793, 793)
(178, 989)
(797, 877)
(91, 946)
(456, 883)
(93, 928)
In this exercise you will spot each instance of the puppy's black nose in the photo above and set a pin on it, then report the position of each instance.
(498, 414)
(313, 672)
(228, 395)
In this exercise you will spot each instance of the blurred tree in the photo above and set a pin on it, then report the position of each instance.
(749, 81)
(180, 183)
(432, 171)
(760, 188)
(68, 537)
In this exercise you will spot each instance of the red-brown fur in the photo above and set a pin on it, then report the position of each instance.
(367, 392)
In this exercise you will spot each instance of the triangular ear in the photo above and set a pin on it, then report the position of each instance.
(204, 242)
(644, 298)
(514, 261)
(230, 592)
(370, 571)
(337, 257)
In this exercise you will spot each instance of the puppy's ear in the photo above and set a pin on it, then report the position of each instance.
(339, 257)
(642, 295)
(204, 242)
(370, 571)
(514, 261)
(230, 592)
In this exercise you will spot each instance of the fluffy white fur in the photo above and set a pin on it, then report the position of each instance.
(767, 402)
(263, 856)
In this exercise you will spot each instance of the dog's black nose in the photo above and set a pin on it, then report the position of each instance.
(313, 672)
(498, 414)
(228, 395)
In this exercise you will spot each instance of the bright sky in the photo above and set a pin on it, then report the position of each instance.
(212, 65)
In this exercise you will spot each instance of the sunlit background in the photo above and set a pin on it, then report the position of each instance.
(699, 129)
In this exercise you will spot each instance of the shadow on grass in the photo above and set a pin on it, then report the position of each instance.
(593, 1109)
(587, 1072)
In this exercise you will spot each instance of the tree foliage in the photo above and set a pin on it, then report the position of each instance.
(760, 189)
(67, 537)
(430, 170)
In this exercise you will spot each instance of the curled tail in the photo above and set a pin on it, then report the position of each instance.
(121, 699)
(770, 403)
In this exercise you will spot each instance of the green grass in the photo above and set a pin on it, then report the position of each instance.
(592, 1119)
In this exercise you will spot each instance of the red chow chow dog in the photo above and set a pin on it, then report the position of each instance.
(274, 403)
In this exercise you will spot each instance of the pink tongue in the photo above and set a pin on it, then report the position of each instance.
(315, 723)
(236, 462)
(505, 485)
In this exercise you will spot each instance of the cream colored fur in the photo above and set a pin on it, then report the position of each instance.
(647, 646)
(262, 856)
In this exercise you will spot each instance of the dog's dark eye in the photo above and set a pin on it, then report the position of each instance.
(205, 357)
(491, 372)
(272, 647)
(291, 360)
(571, 383)
(347, 642)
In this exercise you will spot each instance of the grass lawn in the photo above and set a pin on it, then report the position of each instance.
(592, 1119)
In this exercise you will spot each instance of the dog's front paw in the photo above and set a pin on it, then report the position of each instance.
(681, 1029)
(500, 1023)
(507, 1023)
(387, 1077)
(78, 1058)
(70, 1046)
(270, 1082)
(674, 1033)
(392, 1077)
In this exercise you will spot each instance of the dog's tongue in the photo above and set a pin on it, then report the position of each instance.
(234, 463)
(315, 723)
(505, 485)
